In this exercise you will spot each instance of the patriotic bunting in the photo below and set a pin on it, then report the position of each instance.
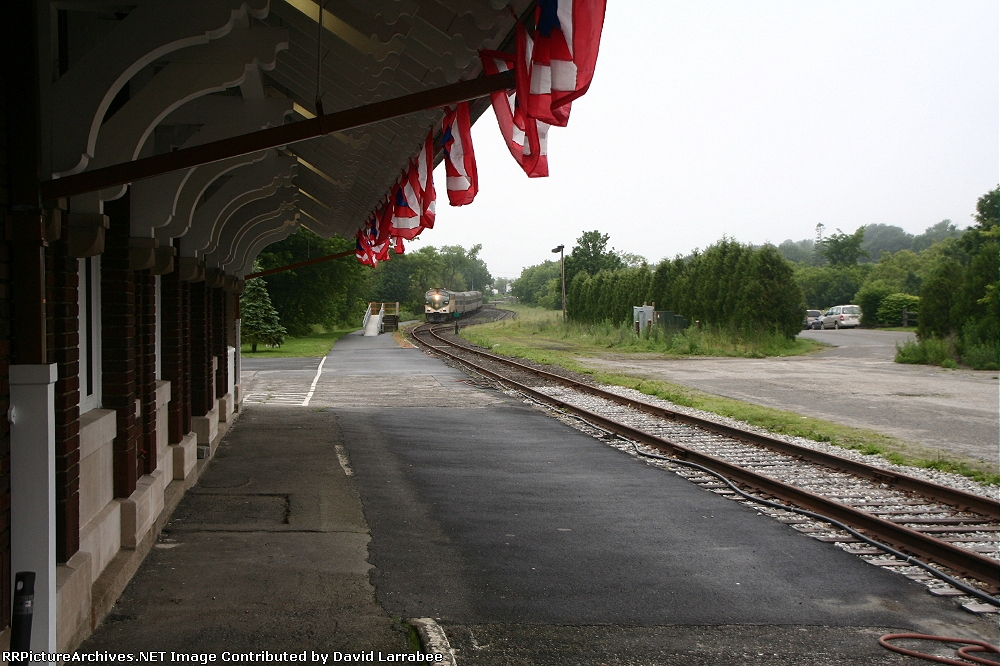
(552, 67)
(425, 182)
(459, 159)
(377, 234)
(363, 250)
(526, 142)
(563, 56)
(405, 209)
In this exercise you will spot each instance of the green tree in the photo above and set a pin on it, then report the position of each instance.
(905, 270)
(826, 286)
(936, 299)
(881, 238)
(532, 286)
(729, 285)
(890, 312)
(630, 260)
(464, 268)
(768, 294)
(801, 251)
(988, 210)
(935, 234)
(960, 296)
(330, 293)
(391, 281)
(870, 298)
(591, 254)
(259, 320)
(842, 249)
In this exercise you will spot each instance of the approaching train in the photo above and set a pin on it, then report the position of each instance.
(441, 305)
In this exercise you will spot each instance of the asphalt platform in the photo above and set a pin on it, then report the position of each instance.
(403, 489)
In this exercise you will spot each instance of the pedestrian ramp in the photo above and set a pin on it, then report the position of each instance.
(381, 318)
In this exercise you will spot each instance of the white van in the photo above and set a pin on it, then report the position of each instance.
(842, 316)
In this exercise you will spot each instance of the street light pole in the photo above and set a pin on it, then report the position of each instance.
(562, 270)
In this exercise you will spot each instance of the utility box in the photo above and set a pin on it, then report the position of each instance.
(669, 320)
(642, 317)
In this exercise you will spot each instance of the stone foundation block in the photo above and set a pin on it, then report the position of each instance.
(185, 455)
(142, 507)
(101, 537)
(73, 601)
(224, 406)
(206, 427)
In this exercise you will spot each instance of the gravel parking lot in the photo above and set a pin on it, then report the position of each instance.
(855, 383)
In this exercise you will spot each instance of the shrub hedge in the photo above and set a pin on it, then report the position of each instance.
(729, 286)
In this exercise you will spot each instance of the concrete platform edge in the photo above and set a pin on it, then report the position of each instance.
(433, 638)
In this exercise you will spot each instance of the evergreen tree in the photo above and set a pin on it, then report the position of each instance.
(259, 320)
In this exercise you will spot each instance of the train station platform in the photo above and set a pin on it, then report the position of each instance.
(404, 489)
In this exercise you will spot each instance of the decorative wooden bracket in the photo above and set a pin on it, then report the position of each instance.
(163, 261)
(142, 253)
(214, 278)
(191, 269)
(86, 234)
(235, 285)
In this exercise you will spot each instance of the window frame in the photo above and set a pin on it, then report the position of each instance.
(89, 326)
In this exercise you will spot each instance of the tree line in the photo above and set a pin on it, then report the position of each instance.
(874, 240)
(335, 293)
(728, 285)
(946, 278)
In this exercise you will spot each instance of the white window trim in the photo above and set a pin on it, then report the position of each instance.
(91, 334)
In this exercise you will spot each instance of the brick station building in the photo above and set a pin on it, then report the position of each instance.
(151, 150)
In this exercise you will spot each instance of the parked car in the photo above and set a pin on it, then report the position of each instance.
(811, 316)
(842, 316)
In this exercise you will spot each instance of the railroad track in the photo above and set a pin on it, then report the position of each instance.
(949, 528)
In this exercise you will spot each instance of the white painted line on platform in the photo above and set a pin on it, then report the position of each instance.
(312, 388)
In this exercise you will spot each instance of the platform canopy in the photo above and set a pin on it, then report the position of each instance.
(172, 80)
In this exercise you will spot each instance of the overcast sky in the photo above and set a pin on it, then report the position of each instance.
(755, 120)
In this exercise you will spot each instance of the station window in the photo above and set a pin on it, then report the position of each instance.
(90, 333)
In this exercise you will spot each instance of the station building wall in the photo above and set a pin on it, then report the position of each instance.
(144, 393)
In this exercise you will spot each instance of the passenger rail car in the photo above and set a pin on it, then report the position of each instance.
(442, 305)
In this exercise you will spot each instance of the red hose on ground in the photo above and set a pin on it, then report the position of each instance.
(968, 646)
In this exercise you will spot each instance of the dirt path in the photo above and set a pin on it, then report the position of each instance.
(856, 383)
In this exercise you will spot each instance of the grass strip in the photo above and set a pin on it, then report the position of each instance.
(538, 327)
(867, 442)
(315, 345)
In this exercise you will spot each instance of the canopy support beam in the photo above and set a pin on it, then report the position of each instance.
(186, 158)
(308, 262)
